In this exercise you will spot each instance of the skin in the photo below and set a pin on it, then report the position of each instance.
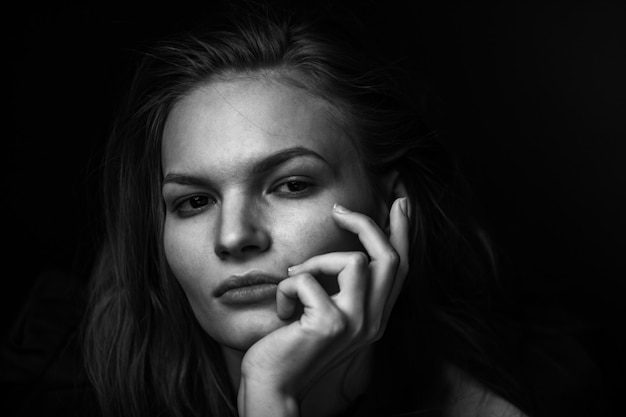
(225, 218)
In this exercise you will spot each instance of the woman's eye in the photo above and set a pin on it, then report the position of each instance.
(292, 187)
(194, 204)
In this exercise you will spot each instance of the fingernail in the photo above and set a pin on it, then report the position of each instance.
(404, 206)
(340, 209)
(293, 268)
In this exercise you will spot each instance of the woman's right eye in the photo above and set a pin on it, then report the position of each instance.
(194, 204)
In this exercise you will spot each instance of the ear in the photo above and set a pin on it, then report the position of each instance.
(390, 187)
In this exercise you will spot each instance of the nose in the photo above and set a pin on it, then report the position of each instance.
(241, 230)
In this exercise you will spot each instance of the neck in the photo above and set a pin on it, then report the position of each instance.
(331, 394)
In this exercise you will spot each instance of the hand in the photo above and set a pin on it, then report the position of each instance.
(278, 369)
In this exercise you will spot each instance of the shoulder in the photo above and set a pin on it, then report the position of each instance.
(468, 398)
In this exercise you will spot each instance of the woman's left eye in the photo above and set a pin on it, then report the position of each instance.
(292, 187)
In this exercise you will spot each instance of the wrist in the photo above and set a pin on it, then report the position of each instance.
(262, 399)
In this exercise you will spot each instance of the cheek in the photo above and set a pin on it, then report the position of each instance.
(183, 251)
(317, 234)
(314, 232)
(183, 248)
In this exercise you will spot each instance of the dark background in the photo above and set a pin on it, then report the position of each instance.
(533, 99)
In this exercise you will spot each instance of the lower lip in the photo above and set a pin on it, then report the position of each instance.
(250, 294)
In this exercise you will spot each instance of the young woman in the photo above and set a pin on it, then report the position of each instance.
(284, 237)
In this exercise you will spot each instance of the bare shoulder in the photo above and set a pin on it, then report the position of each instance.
(471, 399)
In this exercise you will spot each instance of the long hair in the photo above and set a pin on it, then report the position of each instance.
(145, 352)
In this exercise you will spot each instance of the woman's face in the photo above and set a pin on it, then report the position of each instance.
(251, 170)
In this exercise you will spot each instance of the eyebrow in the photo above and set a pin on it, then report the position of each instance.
(259, 167)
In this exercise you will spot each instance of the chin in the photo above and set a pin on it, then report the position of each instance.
(246, 328)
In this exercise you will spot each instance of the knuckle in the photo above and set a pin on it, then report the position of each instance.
(359, 259)
(335, 326)
(304, 278)
(295, 281)
(392, 257)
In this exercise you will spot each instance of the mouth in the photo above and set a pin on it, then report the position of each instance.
(250, 288)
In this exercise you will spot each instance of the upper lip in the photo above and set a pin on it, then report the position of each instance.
(247, 280)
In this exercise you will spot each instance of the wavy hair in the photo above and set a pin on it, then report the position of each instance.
(145, 352)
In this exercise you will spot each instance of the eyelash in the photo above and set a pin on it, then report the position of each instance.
(307, 187)
(189, 212)
(183, 212)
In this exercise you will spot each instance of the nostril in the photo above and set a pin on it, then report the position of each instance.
(249, 248)
(236, 251)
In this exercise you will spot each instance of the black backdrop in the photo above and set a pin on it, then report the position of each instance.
(533, 99)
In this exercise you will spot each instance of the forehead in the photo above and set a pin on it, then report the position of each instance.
(241, 119)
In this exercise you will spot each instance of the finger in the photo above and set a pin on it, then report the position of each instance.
(286, 304)
(399, 229)
(371, 236)
(351, 269)
(384, 257)
(399, 225)
(305, 289)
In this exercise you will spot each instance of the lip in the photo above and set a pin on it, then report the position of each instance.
(249, 288)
